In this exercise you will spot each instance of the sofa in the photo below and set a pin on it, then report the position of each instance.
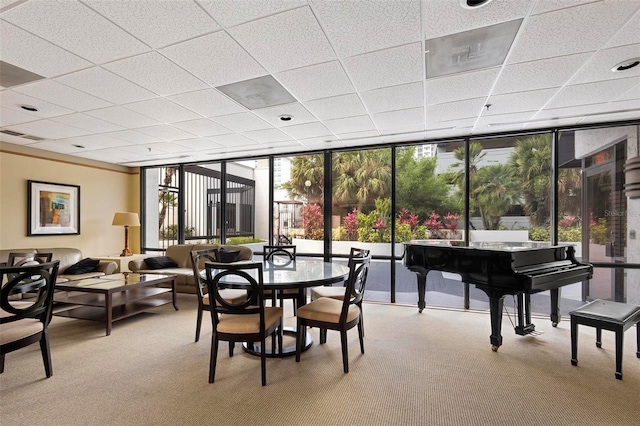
(180, 254)
(67, 257)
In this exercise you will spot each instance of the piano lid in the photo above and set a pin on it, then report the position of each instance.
(487, 245)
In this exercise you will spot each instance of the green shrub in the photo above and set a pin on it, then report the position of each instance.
(244, 240)
(539, 233)
(600, 231)
(570, 234)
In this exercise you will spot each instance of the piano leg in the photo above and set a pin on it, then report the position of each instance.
(495, 307)
(555, 312)
(422, 288)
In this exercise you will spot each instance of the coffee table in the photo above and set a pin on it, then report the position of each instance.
(112, 297)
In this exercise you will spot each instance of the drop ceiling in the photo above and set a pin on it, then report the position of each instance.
(142, 82)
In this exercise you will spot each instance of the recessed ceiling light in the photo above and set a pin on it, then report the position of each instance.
(474, 4)
(286, 117)
(77, 146)
(626, 65)
(29, 108)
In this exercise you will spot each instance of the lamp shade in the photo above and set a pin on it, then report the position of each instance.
(126, 219)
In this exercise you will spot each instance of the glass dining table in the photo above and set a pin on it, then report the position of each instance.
(300, 274)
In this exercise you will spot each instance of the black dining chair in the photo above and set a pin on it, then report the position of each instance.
(198, 259)
(244, 321)
(338, 292)
(23, 322)
(282, 255)
(328, 313)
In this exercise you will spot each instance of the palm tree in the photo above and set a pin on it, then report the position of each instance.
(165, 198)
(459, 174)
(307, 168)
(496, 191)
(531, 161)
(360, 177)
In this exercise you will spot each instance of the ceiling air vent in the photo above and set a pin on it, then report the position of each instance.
(12, 133)
(33, 138)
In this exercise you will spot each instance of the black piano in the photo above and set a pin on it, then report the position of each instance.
(499, 269)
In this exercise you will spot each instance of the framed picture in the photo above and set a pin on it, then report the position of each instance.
(54, 209)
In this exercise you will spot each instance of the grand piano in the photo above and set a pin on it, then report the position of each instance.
(500, 269)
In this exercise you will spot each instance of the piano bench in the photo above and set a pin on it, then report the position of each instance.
(607, 315)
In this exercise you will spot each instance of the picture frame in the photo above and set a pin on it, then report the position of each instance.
(53, 208)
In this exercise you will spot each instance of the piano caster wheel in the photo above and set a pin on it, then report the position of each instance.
(419, 311)
(574, 362)
(494, 348)
(554, 324)
(618, 376)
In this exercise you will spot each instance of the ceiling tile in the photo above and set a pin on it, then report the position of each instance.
(123, 117)
(165, 132)
(337, 107)
(243, 122)
(389, 67)
(215, 59)
(627, 34)
(163, 110)
(12, 100)
(632, 94)
(106, 85)
(540, 74)
(321, 143)
(272, 114)
(571, 30)
(284, 41)
(35, 54)
(197, 144)
(310, 82)
(156, 73)
(232, 140)
(350, 124)
(76, 28)
(97, 141)
(61, 146)
(132, 137)
(62, 95)
(356, 27)
(157, 23)
(111, 155)
(307, 130)
(14, 116)
(208, 103)
(460, 86)
(394, 121)
(234, 12)
(518, 102)
(394, 98)
(202, 127)
(267, 135)
(86, 122)
(493, 120)
(599, 108)
(551, 5)
(48, 129)
(600, 65)
(591, 93)
(447, 17)
(454, 110)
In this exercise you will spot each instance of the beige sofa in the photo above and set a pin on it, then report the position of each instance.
(67, 257)
(181, 254)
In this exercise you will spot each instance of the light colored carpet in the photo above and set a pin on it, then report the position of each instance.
(434, 368)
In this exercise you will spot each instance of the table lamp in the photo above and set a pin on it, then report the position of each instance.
(126, 219)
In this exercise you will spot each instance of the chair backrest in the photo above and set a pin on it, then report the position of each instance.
(356, 283)
(281, 252)
(198, 259)
(39, 278)
(23, 259)
(247, 276)
(356, 252)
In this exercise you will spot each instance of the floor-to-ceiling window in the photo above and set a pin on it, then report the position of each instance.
(507, 183)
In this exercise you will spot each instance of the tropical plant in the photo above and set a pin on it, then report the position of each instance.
(313, 221)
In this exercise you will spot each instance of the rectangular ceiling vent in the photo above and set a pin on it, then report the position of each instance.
(475, 49)
(12, 133)
(33, 138)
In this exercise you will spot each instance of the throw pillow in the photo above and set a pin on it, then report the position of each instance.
(160, 262)
(228, 256)
(82, 267)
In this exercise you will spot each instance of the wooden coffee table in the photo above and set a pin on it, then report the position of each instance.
(112, 297)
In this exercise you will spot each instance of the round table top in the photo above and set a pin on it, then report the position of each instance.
(299, 273)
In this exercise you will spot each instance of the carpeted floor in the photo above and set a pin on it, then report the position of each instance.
(434, 368)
